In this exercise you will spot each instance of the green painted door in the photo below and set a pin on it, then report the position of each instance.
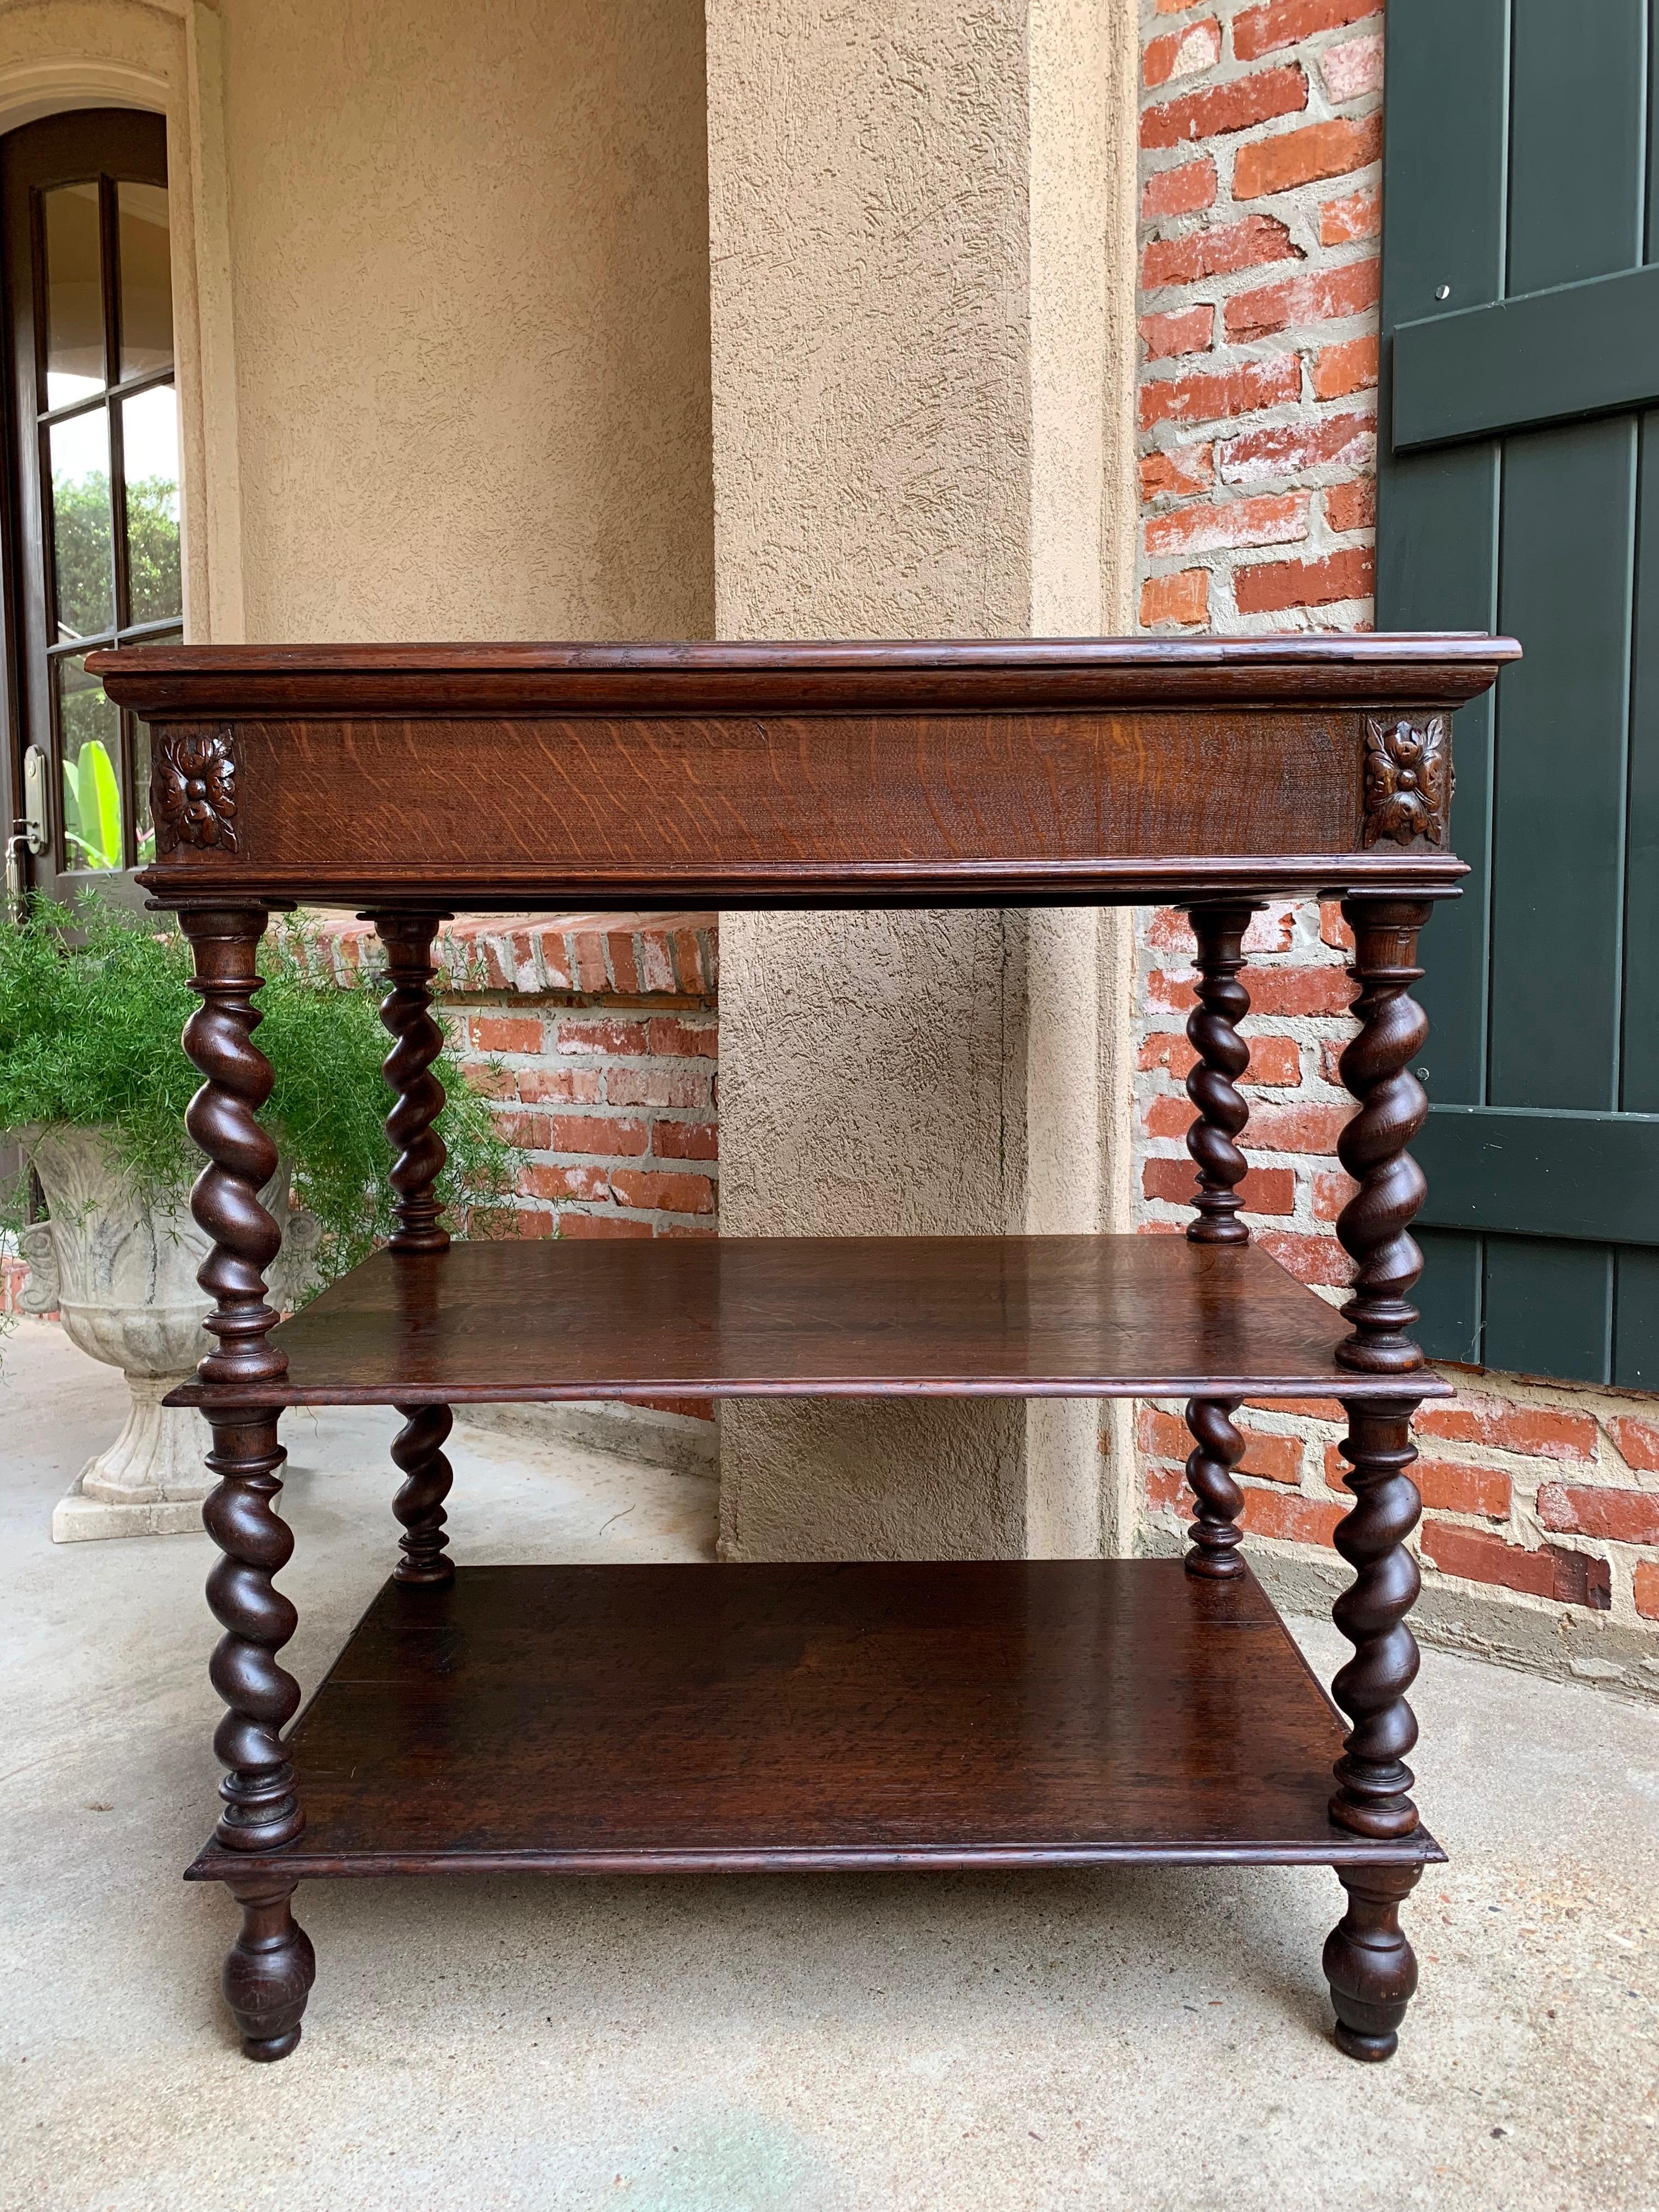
(1519, 491)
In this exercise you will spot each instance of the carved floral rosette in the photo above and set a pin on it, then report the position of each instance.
(193, 789)
(1408, 782)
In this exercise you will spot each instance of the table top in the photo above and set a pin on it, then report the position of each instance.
(1021, 772)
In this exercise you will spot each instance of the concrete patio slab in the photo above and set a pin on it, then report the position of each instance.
(1095, 2041)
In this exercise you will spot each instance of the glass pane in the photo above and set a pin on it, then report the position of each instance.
(83, 547)
(146, 271)
(149, 460)
(90, 727)
(75, 293)
(140, 742)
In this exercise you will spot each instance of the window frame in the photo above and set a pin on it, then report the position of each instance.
(110, 146)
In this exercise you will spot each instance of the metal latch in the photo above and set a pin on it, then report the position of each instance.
(37, 787)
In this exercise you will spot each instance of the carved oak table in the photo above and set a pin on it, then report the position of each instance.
(965, 1713)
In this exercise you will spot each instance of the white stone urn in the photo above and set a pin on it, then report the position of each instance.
(122, 1273)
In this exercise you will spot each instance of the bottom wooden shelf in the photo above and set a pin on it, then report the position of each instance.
(970, 1713)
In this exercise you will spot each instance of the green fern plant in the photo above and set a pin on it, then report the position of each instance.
(92, 1003)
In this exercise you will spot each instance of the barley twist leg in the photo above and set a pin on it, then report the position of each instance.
(416, 1042)
(1375, 1225)
(1215, 1534)
(1213, 1082)
(1372, 1795)
(417, 1449)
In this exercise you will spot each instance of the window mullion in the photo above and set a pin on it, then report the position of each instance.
(108, 208)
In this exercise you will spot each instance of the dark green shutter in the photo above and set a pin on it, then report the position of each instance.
(1519, 490)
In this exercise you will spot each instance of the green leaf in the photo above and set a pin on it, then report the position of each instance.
(100, 806)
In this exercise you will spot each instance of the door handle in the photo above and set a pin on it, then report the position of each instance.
(37, 787)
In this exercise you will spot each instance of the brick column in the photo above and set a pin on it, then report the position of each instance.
(922, 354)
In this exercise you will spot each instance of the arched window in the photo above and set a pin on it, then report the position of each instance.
(94, 476)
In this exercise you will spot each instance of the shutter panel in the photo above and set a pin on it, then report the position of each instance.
(1519, 490)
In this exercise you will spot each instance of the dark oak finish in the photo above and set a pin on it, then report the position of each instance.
(1215, 1535)
(1370, 1966)
(1375, 1225)
(883, 676)
(418, 1160)
(417, 1041)
(990, 1713)
(792, 776)
(261, 1810)
(241, 1156)
(941, 1713)
(1373, 1781)
(1213, 1082)
(418, 1449)
(270, 1968)
(964, 1316)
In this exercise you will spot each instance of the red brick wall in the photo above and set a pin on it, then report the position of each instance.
(1260, 208)
(595, 1035)
(1260, 132)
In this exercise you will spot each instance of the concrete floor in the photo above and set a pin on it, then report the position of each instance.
(1094, 2039)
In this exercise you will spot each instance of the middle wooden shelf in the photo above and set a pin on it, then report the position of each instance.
(950, 1316)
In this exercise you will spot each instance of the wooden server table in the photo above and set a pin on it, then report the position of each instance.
(949, 1713)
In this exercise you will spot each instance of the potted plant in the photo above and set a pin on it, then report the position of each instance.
(94, 1082)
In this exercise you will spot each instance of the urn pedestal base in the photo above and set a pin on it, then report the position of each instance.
(150, 1482)
(119, 1270)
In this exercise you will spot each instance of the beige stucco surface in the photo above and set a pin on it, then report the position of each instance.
(468, 251)
(919, 368)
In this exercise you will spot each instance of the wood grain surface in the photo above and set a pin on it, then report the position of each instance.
(863, 1317)
(810, 676)
(791, 809)
(974, 1712)
(1036, 772)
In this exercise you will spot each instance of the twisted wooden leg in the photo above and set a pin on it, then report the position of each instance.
(419, 1156)
(241, 1158)
(1223, 1057)
(416, 1042)
(261, 1810)
(1216, 1534)
(270, 1966)
(1372, 1795)
(1375, 1225)
(1371, 1968)
(269, 1970)
(417, 1449)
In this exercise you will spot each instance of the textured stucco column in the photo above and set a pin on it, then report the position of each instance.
(922, 356)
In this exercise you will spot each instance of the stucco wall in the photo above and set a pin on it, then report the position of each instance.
(469, 269)
(921, 361)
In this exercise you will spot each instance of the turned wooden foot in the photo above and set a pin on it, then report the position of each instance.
(1371, 1968)
(269, 1968)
